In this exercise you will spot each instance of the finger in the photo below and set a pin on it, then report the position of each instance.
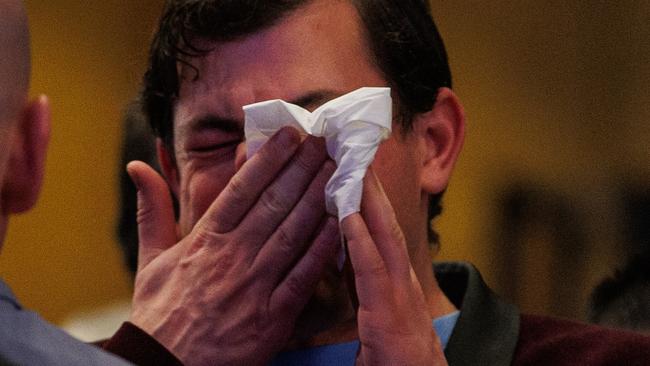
(379, 216)
(292, 294)
(291, 238)
(279, 198)
(371, 277)
(156, 224)
(247, 185)
(240, 156)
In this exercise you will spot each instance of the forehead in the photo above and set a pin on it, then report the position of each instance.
(319, 49)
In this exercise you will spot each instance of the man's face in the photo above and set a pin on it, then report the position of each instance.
(313, 55)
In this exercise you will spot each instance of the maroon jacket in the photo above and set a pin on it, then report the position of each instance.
(492, 332)
(548, 341)
(488, 332)
(134, 345)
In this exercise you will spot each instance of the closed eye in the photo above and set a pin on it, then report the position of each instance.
(219, 146)
(216, 149)
(210, 136)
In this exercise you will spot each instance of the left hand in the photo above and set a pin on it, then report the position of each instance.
(393, 318)
(230, 291)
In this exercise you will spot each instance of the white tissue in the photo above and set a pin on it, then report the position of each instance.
(353, 126)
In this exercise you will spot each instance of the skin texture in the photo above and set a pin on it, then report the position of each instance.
(254, 241)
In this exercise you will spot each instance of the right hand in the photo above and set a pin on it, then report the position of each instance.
(393, 319)
(231, 290)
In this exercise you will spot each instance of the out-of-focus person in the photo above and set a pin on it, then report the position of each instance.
(623, 300)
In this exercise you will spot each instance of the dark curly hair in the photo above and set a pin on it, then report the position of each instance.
(623, 300)
(401, 34)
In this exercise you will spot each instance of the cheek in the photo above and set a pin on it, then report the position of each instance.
(397, 169)
(199, 188)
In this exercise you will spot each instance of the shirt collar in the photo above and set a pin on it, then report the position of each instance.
(7, 296)
(444, 327)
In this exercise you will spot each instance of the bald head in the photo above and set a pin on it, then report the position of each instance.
(15, 60)
(24, 125)
(14, 83)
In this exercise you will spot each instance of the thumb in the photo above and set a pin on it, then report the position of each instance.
(156, 224)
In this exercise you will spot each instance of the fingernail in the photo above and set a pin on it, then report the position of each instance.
(133, 175)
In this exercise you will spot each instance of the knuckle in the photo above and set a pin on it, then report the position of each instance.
(274, 201)
(223, 220)
(204, 237)
(145, 214)
(237, 187)
(373, 271)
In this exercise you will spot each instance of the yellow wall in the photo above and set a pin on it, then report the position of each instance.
(88, 57)
(556, 94)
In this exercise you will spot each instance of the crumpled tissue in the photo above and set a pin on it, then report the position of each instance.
(353, 126)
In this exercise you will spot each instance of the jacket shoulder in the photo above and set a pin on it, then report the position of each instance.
(552, 341)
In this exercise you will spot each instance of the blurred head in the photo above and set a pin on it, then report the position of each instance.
(24, 126)
(623, 300)
(137, 144)
(14, 68)
(400, 40)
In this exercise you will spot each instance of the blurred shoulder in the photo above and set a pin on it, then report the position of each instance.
(545, 340)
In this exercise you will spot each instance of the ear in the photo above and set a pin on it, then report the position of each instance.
(27, 152)
(441, 132)
(168, 166)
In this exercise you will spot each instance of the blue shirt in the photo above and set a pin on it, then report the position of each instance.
(346, 353)
(26, 339)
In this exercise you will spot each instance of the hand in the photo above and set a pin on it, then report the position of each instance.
(230, 291)
(394, 322)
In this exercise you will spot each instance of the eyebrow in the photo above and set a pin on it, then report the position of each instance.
(315, 99)
(310, 101)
